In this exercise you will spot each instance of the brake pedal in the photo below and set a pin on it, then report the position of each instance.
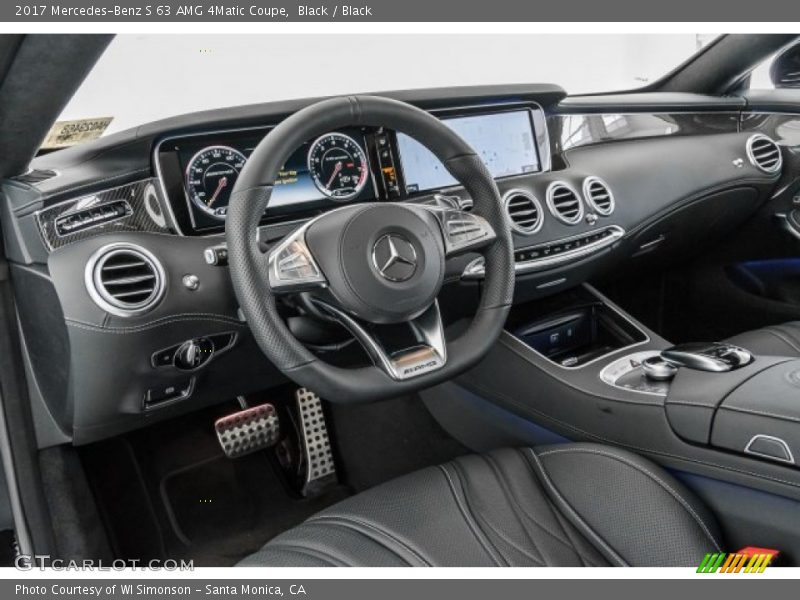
(320, 470)
(248, 430)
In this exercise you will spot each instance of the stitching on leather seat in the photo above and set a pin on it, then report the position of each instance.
(511, 543)
(503, 485)
(482, 518)
(782, 336)
(303, 551)
(342, 521)
(527, 410)
(545, 478)
(574, 536)
(682, 501)
(764, 413)
(515, 503)
(470, 523)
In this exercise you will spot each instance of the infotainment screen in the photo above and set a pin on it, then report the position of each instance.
(505, 141)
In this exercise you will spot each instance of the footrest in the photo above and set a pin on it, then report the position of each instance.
(248, 430)
(320, 470)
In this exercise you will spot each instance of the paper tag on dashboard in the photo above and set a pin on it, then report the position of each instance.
(77, 131)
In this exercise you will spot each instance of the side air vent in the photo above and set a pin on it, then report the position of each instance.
(564, 203)
(764, 153)
(598, 195)
(524, 211)
(124, 279)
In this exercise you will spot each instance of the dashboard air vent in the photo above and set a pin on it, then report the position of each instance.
(564, 203)
(764, 153)
(125, 280)
(598, 195)
(524, 211)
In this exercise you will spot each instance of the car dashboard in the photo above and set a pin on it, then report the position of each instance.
(118, 251)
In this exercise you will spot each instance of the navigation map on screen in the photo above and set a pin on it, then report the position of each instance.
(505, 142)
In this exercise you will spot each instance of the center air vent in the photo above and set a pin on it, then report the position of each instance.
(598, 195)
(764, 153)
(524, 211)
(564, 203)
(125, 280)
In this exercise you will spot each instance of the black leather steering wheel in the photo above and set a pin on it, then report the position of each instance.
(370, 266)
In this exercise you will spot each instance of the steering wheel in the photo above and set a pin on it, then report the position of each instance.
(370, 266)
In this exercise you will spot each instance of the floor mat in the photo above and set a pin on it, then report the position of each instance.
(223, 509)
(378, 441)
(168, 491)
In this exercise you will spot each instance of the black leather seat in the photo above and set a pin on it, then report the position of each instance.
(776, 340)
(565, 505)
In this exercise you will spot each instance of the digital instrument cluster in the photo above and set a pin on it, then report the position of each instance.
(350, 165)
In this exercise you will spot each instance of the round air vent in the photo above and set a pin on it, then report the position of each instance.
(598, 195)
(524, 211)
(124, 279)
(564, 203)
(764, 153)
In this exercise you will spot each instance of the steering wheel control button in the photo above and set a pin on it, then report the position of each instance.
(292, 267)
(194, 354)
(248, 430)
(394, 257)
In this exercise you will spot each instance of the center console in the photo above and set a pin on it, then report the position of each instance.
(577, 361)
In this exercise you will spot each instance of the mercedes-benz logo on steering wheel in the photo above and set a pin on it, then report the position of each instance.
(394, 257)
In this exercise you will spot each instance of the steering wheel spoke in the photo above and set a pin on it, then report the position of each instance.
(462, 231)
(427, 354)
(292, 266)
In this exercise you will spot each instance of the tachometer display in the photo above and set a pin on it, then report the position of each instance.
(338, 166)
(210, 176)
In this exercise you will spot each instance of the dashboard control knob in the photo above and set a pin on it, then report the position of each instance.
(191, 282)
(193, 354)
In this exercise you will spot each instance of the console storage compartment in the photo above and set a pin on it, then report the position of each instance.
(761, 417)
(573, 328)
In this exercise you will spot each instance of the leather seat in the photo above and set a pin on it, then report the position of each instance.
(565, 505)
(776, 340)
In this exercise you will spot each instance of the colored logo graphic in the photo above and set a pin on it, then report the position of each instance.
(747, 560)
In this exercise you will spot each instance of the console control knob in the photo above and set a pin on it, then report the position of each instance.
(714, 357)
(193, 354)
(657, 369)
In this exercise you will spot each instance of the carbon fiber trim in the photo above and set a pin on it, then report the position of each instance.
(146, 213)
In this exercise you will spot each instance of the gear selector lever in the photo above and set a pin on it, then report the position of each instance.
(716, 357)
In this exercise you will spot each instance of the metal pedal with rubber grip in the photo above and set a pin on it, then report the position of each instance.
(320, 470)
(248, 430)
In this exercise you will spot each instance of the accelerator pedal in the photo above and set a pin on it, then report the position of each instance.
(248, 430)
(319, 468)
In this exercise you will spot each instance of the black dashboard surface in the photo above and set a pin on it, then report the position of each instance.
(664, 173)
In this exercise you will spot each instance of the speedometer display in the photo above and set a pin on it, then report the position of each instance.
(210, 176)
(338, 166)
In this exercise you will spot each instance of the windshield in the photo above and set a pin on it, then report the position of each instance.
(143, 78)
